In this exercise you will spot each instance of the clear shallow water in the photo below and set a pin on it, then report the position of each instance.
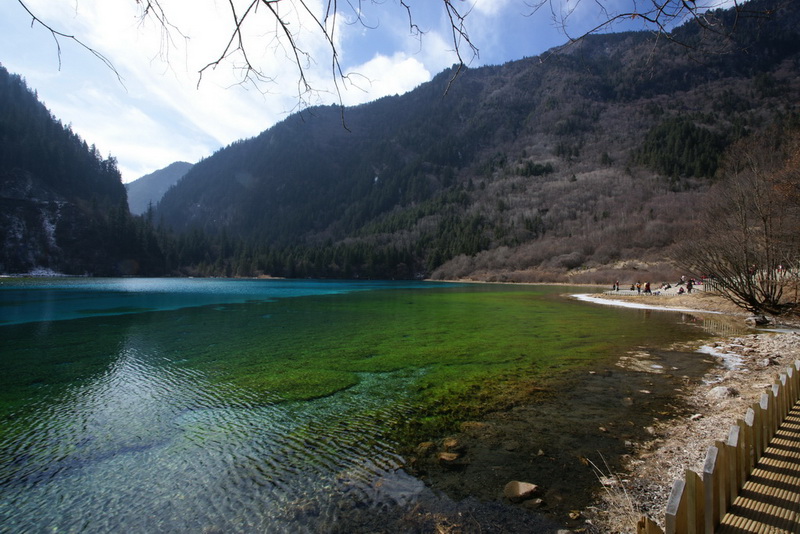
(225, 406)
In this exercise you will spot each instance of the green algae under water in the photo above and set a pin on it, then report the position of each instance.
(298, 414)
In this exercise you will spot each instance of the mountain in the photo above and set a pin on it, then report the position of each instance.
(590, 156)
(63, 206)
(148, 190)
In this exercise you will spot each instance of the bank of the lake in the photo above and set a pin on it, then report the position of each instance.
(745, 364)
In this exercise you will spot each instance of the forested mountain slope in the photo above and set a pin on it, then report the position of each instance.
(62, 206)
(589, 155)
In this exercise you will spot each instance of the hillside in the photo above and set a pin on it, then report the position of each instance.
(148, 189)
(62, 206)
(589, 156)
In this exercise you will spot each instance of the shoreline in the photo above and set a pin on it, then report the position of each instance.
(745, 366)
(591, 297)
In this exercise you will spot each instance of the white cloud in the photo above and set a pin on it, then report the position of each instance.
(159, 114)
(383, 76)
(490, 8)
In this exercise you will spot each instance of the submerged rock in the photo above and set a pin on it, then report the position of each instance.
(477, 429)
(426, 448)
(452, 445)
(446, 458)
(533, 504)
(516, 491)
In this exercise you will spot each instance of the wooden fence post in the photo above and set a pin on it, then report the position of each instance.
(725, 486)
(771, 428)
(746, 435)
(784, 397)
(776, 413)
(736, 459)
(694, 499)
(766, 426)
(648, 526)
(758, 430)
(675, 517)
(714, 494)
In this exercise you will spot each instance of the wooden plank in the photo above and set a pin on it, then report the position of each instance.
(648, 526)
(766, 421)
(785, 406)
(675, 517)
(746, 431)
(713, 496)
(758, 431)
(693, 502)
(724, 475)
(777, 417)
(736, 460)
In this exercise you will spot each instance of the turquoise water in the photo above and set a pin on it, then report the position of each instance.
(57, 299)
(289, 406)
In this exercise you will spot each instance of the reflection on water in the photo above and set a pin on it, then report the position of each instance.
(116, 453)
(178, 421)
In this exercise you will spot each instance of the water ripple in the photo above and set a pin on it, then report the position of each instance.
(154, 447)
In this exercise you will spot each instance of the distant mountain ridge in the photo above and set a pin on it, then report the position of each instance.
(584, 157)
(148, 189)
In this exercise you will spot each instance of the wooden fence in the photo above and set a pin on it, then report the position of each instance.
(698, 502)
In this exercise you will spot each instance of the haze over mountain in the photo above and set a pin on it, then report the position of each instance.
(588, 156)
(148, 190)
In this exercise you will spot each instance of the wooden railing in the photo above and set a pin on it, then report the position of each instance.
(698, 502)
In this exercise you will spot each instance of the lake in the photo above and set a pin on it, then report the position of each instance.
(204, 405)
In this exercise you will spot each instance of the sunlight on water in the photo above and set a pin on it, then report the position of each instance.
(234, 408)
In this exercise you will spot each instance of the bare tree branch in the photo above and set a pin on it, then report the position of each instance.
(659, 16)
(57, 35)
(287, 16)
(748, 240)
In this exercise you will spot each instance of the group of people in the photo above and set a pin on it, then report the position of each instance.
(684, 286)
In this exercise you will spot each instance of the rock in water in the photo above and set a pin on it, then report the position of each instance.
(516, 491)
(447, 458)
(757, 320)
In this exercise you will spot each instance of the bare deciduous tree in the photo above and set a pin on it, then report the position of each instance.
(748, 240)
(290, 25)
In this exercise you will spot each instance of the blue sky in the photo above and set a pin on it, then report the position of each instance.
(158, 113)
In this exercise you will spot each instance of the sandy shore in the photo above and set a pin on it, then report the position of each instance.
(745, 366)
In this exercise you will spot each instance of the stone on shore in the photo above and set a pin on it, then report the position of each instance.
(722, 393)
(757, 320)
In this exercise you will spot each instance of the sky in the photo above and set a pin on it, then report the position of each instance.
(154, 108)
